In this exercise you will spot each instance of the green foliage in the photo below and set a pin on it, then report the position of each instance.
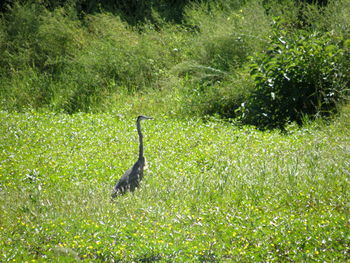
(27, 87)
(19, 29)
(82, 65)
(59, 38)
(220, 98)
(37, 46)
(211, 75)
(335, 18)
(73, 56)
(301, 74)
(132, 11)
(213, 192)
(38, 38)
(227, 36)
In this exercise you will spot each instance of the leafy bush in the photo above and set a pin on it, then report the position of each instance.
(339, 17)
(300, 74)
(82, 62)
(58, 40)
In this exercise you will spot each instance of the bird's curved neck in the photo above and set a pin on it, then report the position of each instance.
(138, 125)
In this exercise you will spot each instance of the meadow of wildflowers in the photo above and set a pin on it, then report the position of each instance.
(213, 192)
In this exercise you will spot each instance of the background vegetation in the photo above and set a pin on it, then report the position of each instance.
(74, 74)
(221, 58)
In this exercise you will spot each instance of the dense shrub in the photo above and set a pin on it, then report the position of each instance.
(300, 74)
(225, 38)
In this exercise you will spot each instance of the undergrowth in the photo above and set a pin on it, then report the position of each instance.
(55, 57)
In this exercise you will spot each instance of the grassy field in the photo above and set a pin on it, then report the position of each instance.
(75, 74)
(213, 192)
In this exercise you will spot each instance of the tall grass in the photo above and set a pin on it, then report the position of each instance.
(212, 192)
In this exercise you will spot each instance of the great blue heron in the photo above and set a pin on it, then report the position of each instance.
(132, 177)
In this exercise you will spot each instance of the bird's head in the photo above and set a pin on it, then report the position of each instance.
(141, 117)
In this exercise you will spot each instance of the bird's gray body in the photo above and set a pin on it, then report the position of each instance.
(132, 177)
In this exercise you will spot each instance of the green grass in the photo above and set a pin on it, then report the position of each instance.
(213, 192)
